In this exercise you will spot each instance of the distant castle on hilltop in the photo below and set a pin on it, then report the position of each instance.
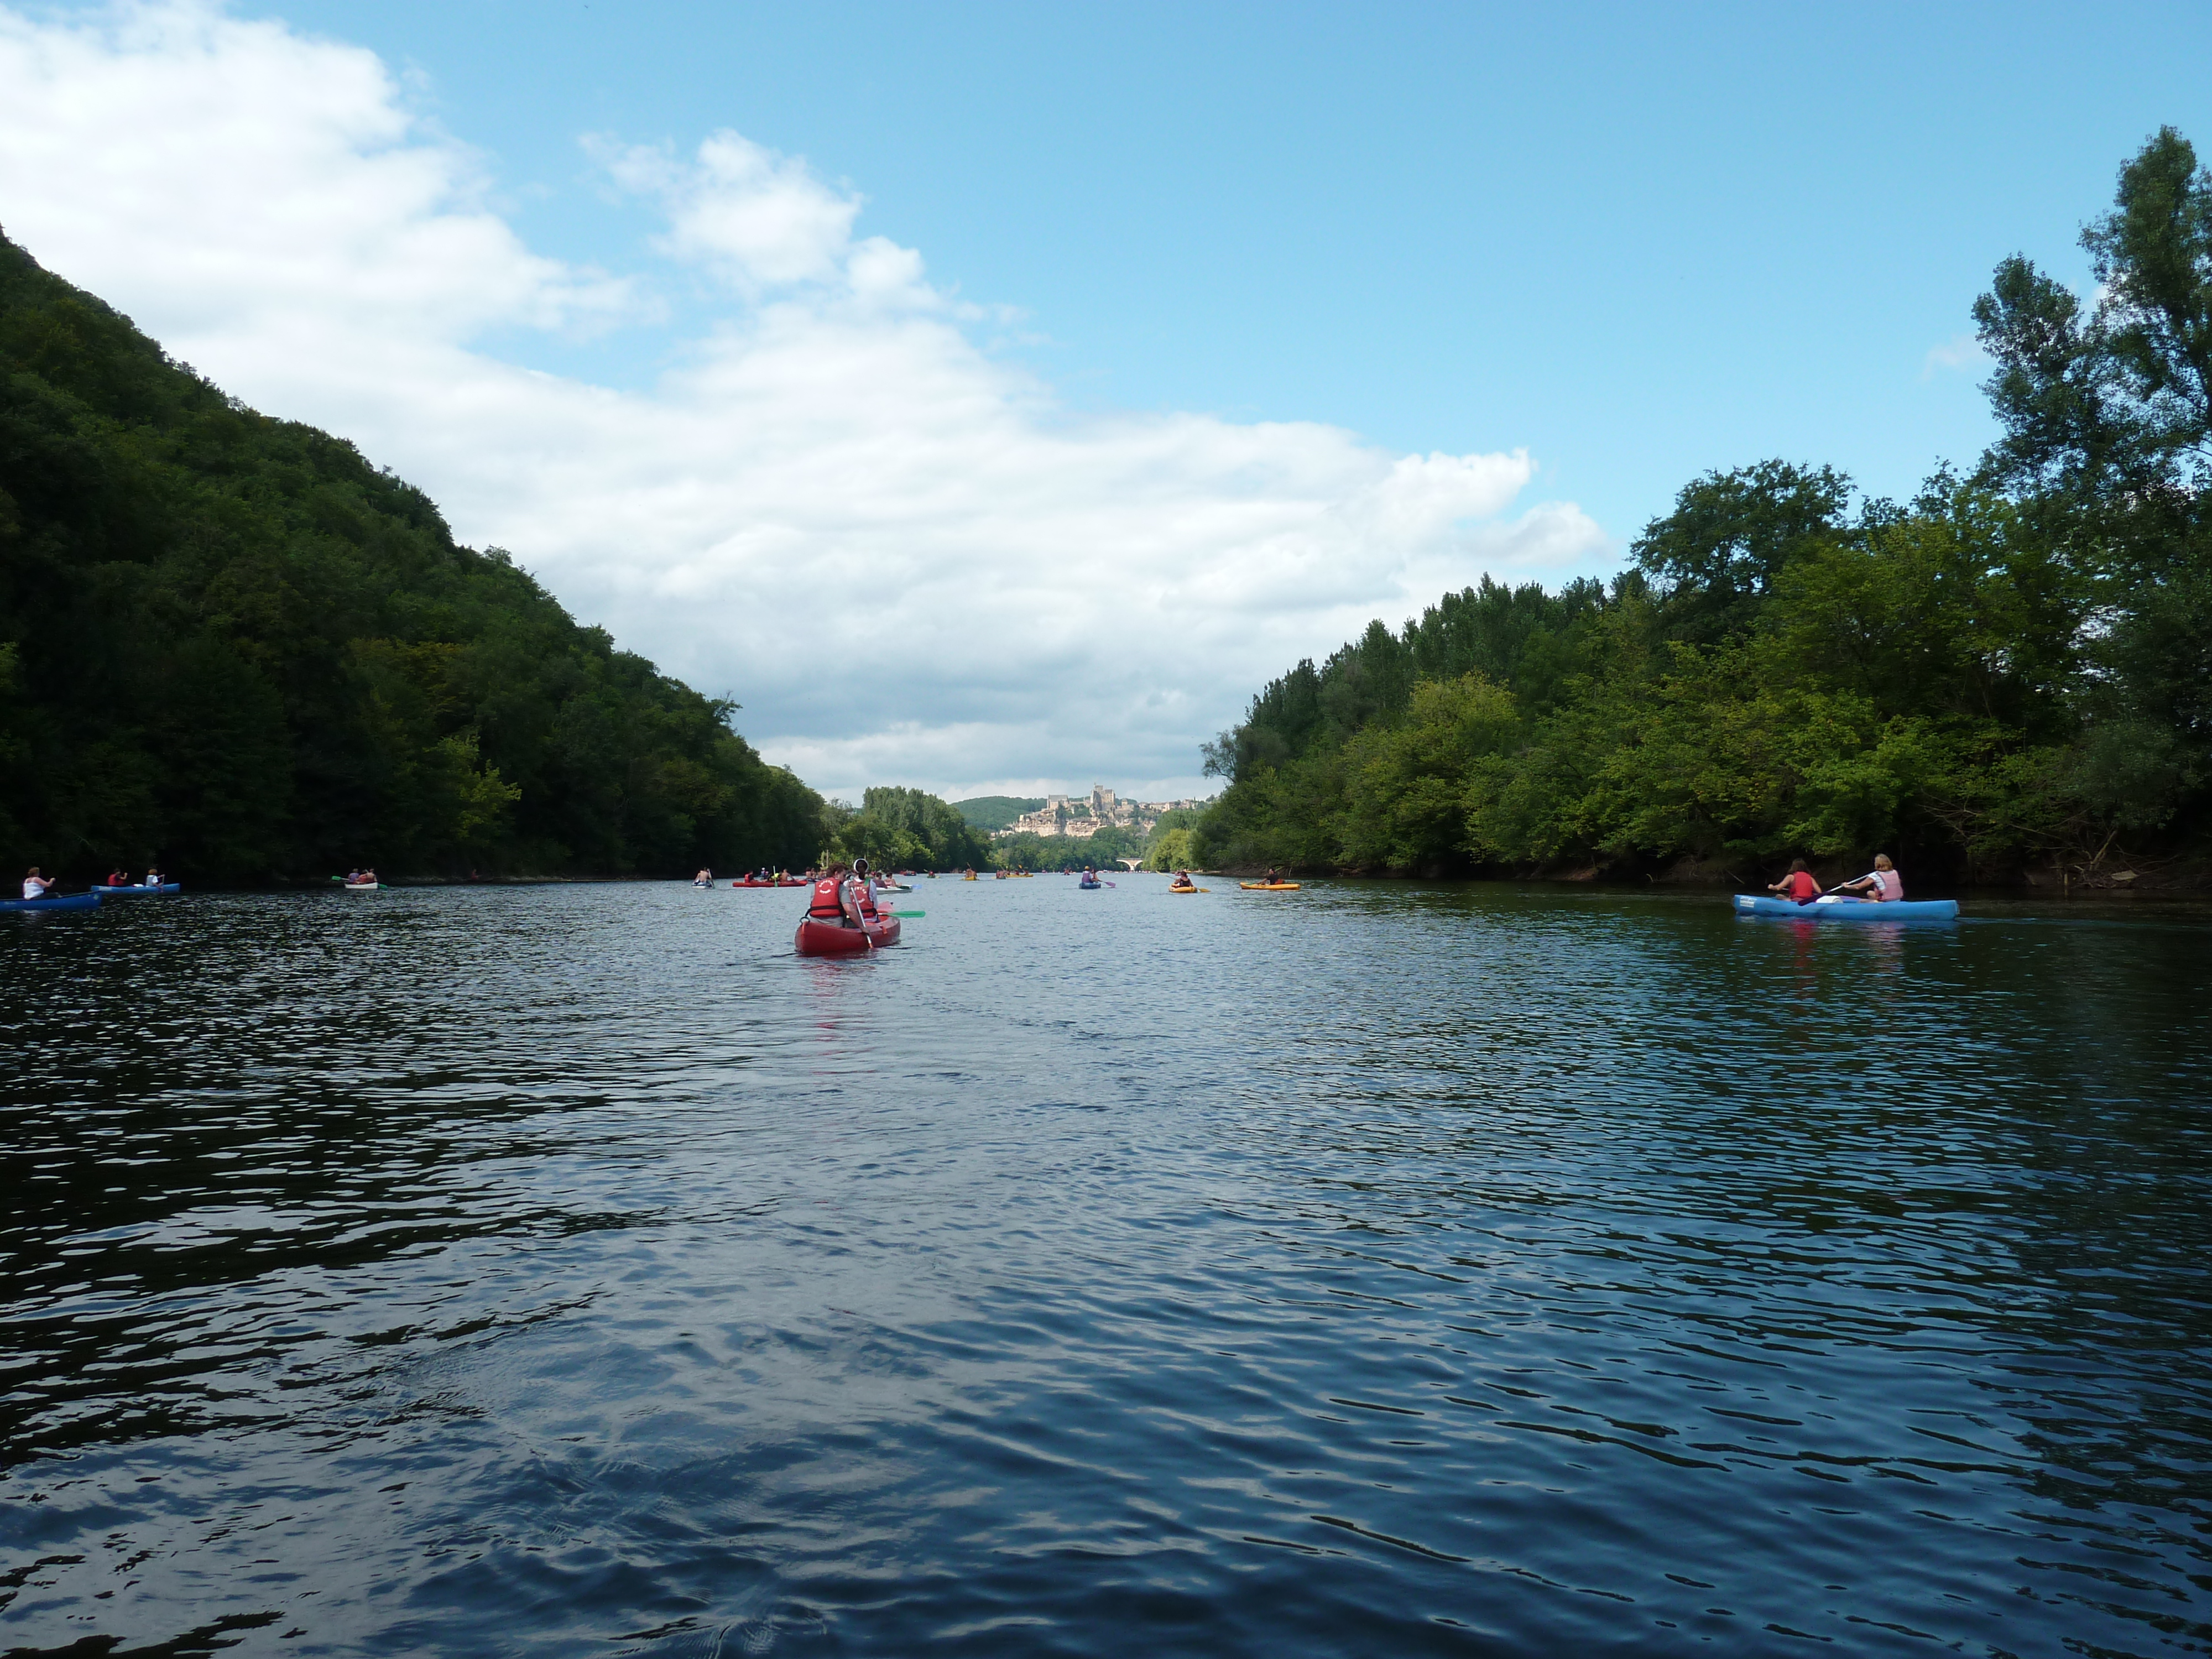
(1078, 817)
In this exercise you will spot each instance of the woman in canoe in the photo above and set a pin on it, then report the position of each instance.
(1798, 886)
(34, 884)
(832, 902)
(1182, 883)
(865, 891)
(1881, 885)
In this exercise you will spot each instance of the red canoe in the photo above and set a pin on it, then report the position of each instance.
(827, 938)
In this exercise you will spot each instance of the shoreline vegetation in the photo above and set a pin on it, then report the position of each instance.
(2005, 681)
(232, 645)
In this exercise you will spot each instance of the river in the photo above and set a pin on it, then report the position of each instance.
(1372, 1269)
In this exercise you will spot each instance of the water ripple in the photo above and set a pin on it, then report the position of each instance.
(1373, 1269)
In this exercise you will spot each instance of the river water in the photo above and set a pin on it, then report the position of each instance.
(1374, 1269)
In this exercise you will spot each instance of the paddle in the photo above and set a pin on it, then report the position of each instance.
(909, 912)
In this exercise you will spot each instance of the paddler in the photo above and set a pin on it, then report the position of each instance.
(832, 902)
(1880, 886)
(35, 886)
(866, 895)
(1273, 878)
(1182, 883)
(1798, 886)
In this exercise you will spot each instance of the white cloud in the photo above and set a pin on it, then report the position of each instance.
(905, 558)
(1959, 351)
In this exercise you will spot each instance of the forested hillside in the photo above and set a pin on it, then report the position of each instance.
(231, 644)
(990, 814)
(2010, 676)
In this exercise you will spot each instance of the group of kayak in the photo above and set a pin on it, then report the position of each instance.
(38, 892)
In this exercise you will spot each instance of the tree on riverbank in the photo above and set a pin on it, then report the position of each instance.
(2012, 670)
(904, 830)
(231, 644)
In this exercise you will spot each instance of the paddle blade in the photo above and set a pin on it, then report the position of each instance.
(909, 912)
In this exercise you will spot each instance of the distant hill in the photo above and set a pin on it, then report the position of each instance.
(234, 644)
(989, 813)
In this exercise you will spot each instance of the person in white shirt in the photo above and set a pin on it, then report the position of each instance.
(1881, 885)
(35, 885)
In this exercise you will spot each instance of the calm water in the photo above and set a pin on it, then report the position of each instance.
(1369, 1270)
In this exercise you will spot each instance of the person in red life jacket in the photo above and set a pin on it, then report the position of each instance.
(829, 903)
(864, 891)
(1798, 886)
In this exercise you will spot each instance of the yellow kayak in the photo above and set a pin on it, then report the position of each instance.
(1269, 886)
(1189, 889)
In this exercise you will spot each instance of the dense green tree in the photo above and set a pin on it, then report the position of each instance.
(2011, 668)
(2107, 416)
(1715, 558)
(907, 830)
(231, 644)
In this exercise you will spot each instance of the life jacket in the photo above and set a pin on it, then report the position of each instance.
(826, 905)
(1802, 887)
(868, 902)
(1889, 886)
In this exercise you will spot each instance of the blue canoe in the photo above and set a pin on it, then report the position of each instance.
(1090, 883)
(72, 901)
(1850, 909)
(129, 891)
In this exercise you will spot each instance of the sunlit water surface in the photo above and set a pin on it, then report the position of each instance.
(1367, 1270)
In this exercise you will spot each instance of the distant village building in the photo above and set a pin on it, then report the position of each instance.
(1078, 817)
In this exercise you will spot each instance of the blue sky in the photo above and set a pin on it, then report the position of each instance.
(991, 397)
(1641, 241)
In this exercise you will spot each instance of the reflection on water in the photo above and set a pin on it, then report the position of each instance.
(1371, 1269)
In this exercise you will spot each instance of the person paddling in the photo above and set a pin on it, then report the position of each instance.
(1881, 885)
(830, 903)
(1798, 886)
(1182, 883)
(36, 886)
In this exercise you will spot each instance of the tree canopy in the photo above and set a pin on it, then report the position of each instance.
(2012, 670)
(905, 830)
(232, 645)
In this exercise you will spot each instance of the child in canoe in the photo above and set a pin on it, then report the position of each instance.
(1798, 886)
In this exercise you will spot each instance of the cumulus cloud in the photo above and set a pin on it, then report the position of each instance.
(904, 557)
